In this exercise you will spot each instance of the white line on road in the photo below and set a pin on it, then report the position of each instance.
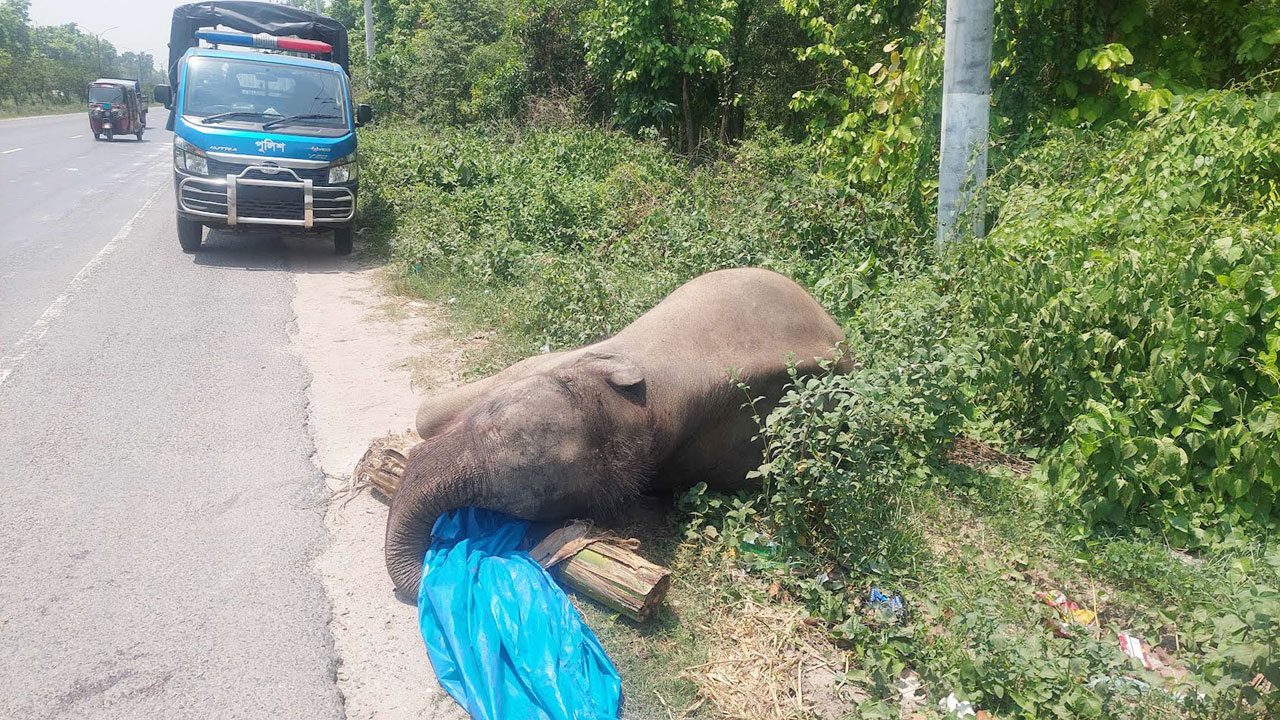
(73, 137)
(6, 152)
(33, 336)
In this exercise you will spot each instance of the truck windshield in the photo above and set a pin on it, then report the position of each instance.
(257, 93)
(101, 94)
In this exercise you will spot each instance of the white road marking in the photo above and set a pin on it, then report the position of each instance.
(73, 137)
(73, 169)
(31, 338)
(6, 152)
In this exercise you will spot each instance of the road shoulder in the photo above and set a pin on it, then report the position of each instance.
(371, 356)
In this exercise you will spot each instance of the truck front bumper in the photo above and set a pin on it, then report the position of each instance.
(261, 195)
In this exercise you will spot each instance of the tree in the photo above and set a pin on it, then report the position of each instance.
(657, 56)
(15, 45)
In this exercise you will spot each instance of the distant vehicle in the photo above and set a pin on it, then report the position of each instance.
(116, 107)
(260, 138)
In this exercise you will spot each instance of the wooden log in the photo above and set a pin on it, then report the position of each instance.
(598, 565)
(616, 578)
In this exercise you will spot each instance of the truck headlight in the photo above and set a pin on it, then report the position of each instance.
(189, 157)
(197, 164)
(344, 170)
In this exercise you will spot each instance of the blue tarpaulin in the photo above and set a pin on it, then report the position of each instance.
(503, 637)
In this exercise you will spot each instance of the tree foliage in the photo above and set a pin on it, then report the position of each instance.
(660, 59)
(56, 63)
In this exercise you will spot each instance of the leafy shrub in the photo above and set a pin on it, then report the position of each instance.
(578, 231)
(843, 451)
(1242, 640)
(1127, 304)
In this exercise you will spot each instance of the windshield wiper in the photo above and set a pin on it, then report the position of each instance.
(307, 116)
(236, 113)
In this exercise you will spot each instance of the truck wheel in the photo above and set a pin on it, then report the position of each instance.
(190, 234)
(342, 241)
(139, 134)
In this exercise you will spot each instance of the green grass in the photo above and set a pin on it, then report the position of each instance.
(650, 657)
(9, 110)
(558, 236)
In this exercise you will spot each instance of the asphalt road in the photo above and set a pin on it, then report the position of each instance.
(161, 510)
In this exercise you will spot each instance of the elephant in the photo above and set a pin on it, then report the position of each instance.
(579, 433)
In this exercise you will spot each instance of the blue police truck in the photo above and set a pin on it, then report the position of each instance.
(263, 121)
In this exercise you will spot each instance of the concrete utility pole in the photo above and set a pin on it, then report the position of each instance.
(966, 102)
(97, 41)
(368, 29)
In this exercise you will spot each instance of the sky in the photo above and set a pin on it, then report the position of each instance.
(137, 25)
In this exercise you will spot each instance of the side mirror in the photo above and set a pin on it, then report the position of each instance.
(364, 114)
(163, 95)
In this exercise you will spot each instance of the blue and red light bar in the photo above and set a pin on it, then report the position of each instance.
(265, 41)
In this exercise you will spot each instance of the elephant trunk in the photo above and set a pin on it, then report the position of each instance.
(438, 477)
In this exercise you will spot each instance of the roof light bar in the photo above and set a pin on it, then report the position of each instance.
(263, 40)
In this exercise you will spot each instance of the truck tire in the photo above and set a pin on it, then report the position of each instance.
(190, 234)
(139, 134)
(342, 241)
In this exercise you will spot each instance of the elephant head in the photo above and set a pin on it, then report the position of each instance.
(571, 440)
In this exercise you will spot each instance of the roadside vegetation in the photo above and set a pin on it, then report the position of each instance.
(47, 68)
(11, 110)
(1082, 402)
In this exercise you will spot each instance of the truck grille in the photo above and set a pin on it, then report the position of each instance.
(219, 168)
(267, 203)
(204, 199)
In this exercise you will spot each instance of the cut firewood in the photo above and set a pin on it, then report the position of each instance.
(617, 578)
(597, 564)
(604, 567)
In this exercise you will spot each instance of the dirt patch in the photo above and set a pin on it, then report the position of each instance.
(372, 357)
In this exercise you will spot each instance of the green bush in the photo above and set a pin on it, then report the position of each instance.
(1121, 315)
(843, 452)
(1127, 306)
(575, 232)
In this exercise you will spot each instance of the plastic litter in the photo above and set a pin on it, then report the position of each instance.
(503, 638)
(953, 706)
(1068, 612)
(891, 605)
(1132, 646)
(1123, 685)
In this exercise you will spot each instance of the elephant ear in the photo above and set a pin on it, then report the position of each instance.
(618, 371)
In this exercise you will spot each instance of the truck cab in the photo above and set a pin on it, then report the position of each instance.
(261, 139)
